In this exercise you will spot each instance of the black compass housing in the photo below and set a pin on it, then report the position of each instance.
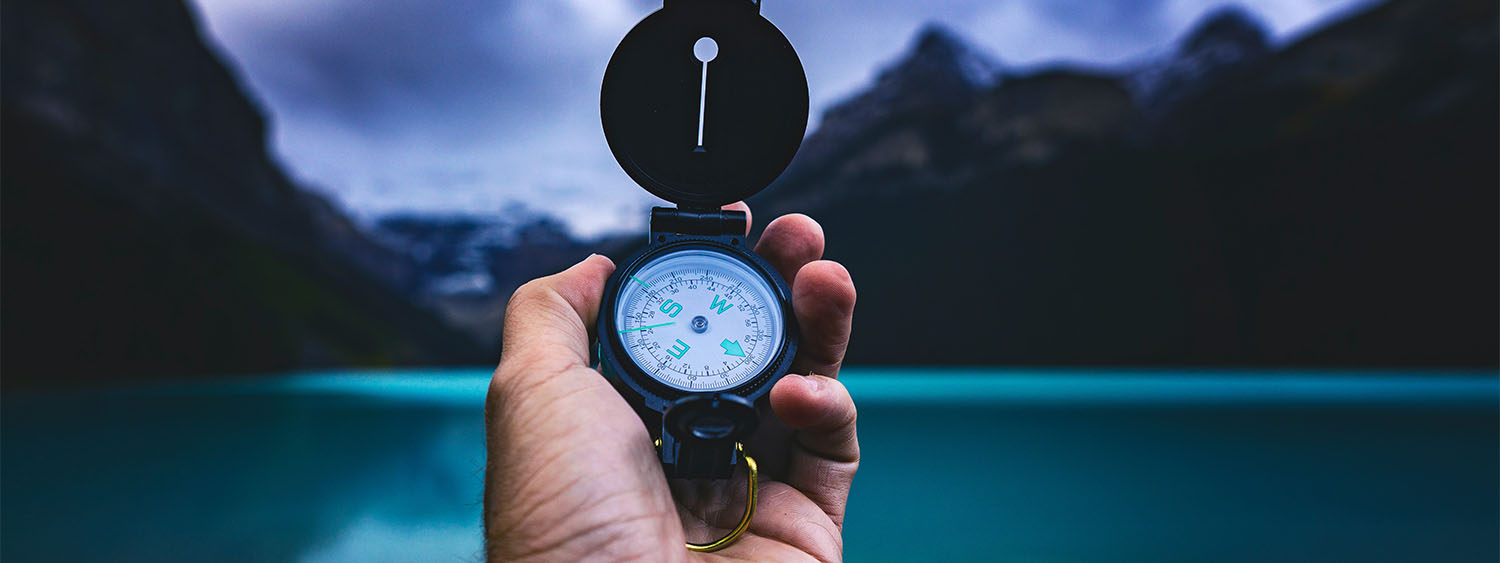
(691, 425)
(701, 135)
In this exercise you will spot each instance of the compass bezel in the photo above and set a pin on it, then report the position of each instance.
(654, 394)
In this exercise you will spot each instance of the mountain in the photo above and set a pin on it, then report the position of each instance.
(1329, 202)
(146, 230)
(470, 264)
(941, 70)
(1224, 42)
(940, 73)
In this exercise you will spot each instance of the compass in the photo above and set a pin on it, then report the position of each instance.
(703, 104)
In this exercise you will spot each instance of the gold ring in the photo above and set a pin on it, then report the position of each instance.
(744, 524)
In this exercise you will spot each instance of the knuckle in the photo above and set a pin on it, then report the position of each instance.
(531, 293)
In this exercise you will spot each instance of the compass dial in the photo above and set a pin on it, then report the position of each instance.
(698, 320)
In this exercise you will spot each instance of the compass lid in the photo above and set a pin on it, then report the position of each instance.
(704, 123)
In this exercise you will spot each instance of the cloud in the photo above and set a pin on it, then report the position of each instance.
(469, 105)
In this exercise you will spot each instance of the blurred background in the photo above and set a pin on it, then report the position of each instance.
(1141, 280)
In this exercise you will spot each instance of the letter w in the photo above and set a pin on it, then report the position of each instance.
(721, 305)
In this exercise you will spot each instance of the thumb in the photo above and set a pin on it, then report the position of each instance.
(548, 319)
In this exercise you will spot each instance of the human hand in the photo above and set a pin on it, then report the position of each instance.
(572, 473)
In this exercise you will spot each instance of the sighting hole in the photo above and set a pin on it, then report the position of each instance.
(705, 49)
(712, 427)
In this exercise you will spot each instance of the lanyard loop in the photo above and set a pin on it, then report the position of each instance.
(751, 481)
(739, 530)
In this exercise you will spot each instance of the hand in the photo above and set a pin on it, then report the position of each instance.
(572, 473)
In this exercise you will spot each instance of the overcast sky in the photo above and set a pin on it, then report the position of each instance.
(475, 105)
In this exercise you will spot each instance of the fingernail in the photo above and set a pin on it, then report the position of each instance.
(814, 383)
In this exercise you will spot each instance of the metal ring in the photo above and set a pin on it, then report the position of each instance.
(744, 524)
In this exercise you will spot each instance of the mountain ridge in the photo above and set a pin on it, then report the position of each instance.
(1315, 203)
(147, 231)
(1103, 232)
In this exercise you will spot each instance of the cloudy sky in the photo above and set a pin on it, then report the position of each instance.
(474, 106)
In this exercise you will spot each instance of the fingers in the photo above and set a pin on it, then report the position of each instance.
(547, 321)
(823, 297)
(824, 300)
(822, 410)
(790, 242)
(823, 464)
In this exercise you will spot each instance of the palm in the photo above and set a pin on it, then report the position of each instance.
(762, 541)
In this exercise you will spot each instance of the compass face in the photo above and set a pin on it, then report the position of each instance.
(700, 321)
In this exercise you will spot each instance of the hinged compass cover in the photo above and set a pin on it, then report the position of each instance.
(704, 102)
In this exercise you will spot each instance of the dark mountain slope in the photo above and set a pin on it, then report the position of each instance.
(1354, 201)
(146, 232)
(1331, 203)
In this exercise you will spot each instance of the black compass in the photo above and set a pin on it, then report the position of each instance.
(704, 103)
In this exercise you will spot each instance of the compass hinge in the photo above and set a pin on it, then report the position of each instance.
(710, 222)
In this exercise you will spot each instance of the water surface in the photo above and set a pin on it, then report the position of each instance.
(958, 465)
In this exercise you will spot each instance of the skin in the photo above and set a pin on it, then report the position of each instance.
(572, 473)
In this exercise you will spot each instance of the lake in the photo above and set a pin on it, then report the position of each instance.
(958, 464)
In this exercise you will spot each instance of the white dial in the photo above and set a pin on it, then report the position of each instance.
(698, 320)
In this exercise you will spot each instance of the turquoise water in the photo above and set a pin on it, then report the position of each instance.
(958, 465)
